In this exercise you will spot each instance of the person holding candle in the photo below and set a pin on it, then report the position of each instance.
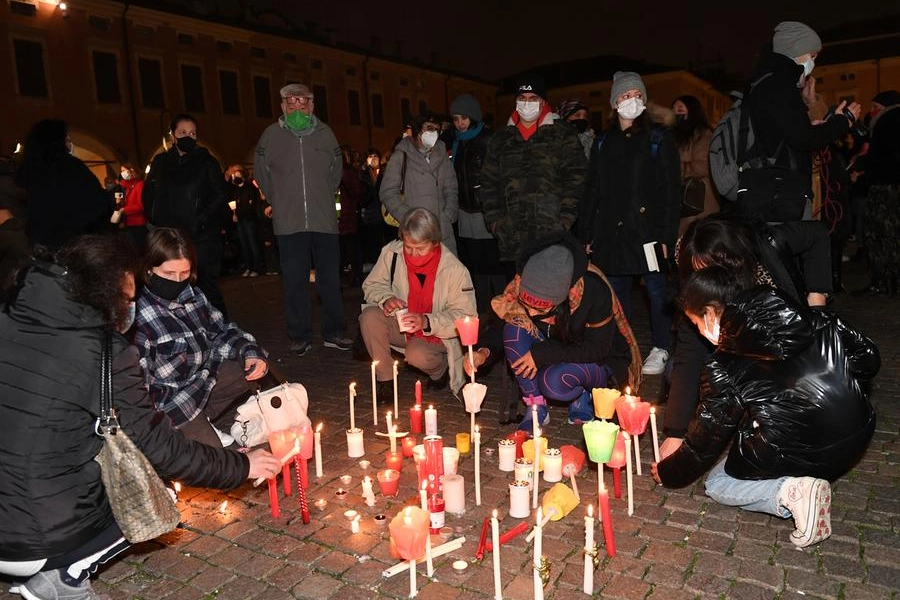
(417, 273)
(564, 331)
(56, 526)
(789, 385)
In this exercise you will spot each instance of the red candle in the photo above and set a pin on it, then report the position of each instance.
(302, 472)
(407, 445)
(273, 498)
(479, 552)
(415, 415)
(301, 493)
(633, 414)
(394, 460)
(286, 478)
(519, 437)
(418, 393)
(389, 482)
(617, 482)
(468, 330)
(607, 522)
(511, 534)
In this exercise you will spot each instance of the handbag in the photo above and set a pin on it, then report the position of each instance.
(385, 214)
(140, 503)
(693, 197)
(276, 409)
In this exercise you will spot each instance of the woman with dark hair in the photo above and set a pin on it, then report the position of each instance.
(375, 232)
(56, 525)
(196, 364)
(693, 134)
(64, 198)
(185, 188)
(132, 181)
(247, 213)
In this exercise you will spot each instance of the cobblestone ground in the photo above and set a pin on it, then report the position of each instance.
(677, 545)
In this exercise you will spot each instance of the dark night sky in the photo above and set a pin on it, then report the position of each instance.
(493, 39)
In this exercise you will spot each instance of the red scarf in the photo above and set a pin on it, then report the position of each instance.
(421, 295)
(527, 132)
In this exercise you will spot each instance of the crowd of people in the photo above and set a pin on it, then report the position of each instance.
(543, 226)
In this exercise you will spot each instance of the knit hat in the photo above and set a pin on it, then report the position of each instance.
(624, 81)
(887, 98)
(467, 106)
(569, 107)
(794, 39)
(295, 89)
(547, 277)
(531, 83)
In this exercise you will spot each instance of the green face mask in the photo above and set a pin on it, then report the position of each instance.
(297, 120)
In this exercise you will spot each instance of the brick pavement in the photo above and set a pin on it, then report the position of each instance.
(678, 544)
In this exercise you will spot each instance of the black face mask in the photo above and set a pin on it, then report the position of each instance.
(186, 143)
(166, 288)
(581, 125)
(238, 181)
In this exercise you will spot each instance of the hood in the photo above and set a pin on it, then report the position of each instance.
(415, 155)
(315, 125)
(780, 65)
(763, 323)
(580, 264)
(42, 299)
(660, 114)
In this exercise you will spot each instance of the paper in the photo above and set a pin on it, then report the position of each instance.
(650, 255)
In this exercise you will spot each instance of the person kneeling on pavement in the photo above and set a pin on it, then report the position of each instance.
(788, 385)
(418, 276)
(564, 331)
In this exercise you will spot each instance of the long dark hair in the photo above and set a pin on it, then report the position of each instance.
(168, 243)
(719, 240)
(696, 123)
(45, 145)
(713, 286)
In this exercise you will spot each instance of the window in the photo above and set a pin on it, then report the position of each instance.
(315, 64)
(423, 107)
(257, 52)
(224, 47)
(228, 88)
(185, 39)
(350, 71)
(106, 77)
(404, 82)
(321, 97)
(353, 107)
(377, 110)
(263, 96)
(150, 77)
(290, 57)
(30, 73)
(23, 8)
(99, 23)
(405, 109)
(192, 86)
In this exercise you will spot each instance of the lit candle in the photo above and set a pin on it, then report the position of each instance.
(394, 460)
(352, 393)
(552, 465)
(431, 421)
(468, 330)
(506, 455)
(396, 405)
(454, 494)
(518, 499)
(606, 518)
(538, 550)
(477, 467)
(655, 434)
(374, 395)
(318, 446)
(588, 587)
(628, 473)
(389, 419)
(418, 393)
(407, 446)
(423, 495)
(415, 418)
(495, 538)
(537, 456)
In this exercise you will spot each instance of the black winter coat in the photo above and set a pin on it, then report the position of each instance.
(51, 496)
(882, 163)
(468, 161)
(187, 192)
(789, 384)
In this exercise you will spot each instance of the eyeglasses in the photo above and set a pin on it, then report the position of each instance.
(301, 101)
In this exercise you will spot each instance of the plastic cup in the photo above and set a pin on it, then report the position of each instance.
(389, 482)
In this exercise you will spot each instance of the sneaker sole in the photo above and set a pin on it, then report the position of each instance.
(302, 352)
(653, 370)
(818, 519)
(337, 346)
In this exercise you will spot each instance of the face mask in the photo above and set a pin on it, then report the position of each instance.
(128, 321)
(528, 111)
(429, 139)
(125, 175)
(166, 288)
(680, 119)
(631, 108)
(186, 143)
(808, 66)
(297, 120)
(711, 334)
(238, 181)
(581, 125)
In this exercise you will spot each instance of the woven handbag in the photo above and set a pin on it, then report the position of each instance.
(141, 504)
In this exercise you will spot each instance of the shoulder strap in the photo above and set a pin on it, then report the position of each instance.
(656, 136)
(402, 178)
(745, 124)
(393, 264)
(598, 141)
(107, 423)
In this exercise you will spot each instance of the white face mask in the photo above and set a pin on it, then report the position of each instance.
(808, 65)
(125, 175)
(528, 111)
(429, 139)
(630, 108)
(712, 334)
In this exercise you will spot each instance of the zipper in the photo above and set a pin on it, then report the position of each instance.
(303, 179)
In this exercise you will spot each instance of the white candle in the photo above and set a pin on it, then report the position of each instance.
(518, 500)
(495, 540)
(394, 439)
(318, 449)
(506, 452)
(367, 490)
(355, 445)
(412, 578)
(654, 433)
(628, 473)
(538, 549)
(354, 525)
(588, 546)
(537, 460)
(423, 495)
(374, 395)
(389, 419)
(396, 405)
(430, 421)
(477, 467)
(552, 465)
(637, 455)
(352, 394)
(429, 565)
(454, 494)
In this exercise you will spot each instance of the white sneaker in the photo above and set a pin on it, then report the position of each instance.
(656, 362)
(809, 500)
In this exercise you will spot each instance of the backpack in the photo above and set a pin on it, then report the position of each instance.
(656, 136)
(732, 139)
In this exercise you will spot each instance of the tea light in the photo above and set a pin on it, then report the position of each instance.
(552, 465)
(407, 446)
(380, 519)
(454, 494)
(350, 514)
(460, 565)
(355, 445)
(364, 464)
(463, 442)
(519, 507)
(523, 470)
(451, 460)
(394, 460)
(321, 503)
(340, 494)
(506, 451)
(346, 479)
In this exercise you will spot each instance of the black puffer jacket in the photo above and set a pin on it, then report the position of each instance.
(468, 161)
(51, 496)
(790, 382)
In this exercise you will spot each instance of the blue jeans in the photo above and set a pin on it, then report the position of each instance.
(660, 317)
(757, 495)
(298, 252)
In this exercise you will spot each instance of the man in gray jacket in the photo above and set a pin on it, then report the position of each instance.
(298, 167)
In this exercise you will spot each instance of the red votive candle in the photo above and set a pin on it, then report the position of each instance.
(394, 460)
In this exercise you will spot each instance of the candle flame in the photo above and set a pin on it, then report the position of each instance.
(591, 510)
(431, 407)
(177, 487)
(223, 507)
(495, 513)
(319, 428)
(476, 429)
(652, 410)
(374, 362)
(353, 388)
(627, 390)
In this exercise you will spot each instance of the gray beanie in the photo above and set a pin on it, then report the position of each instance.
(295, 89)
(624, 81)
(467, 106)
(794, 39)
(547, 277)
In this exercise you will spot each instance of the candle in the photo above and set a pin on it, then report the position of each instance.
(394, 460)
(433, 466)
(389, 419)
(368, 493)
(506, 453)
(518, 499)
(637, 455)
(477, 467)
(409, 532)
(429, 565)
(511, 534)
(318, 443)
(463, 443)
(495, 538)
(415, 418)
(468, 330)
(423, 496)
(431, 421)
(396, 405)
(552, 465)
(301, 495)
(606, 519)
(628, 473)
(352, 394)
(389, 482)
(273, 498)
(588, 587)
(600, 438)
(523, 470)
(604, 402)
(374, 395)
(286, 478)
(479, 551)
(436, 508)
(441, 550)
(354, 525)
(451, 460)
(538, 550)
(654, 433)
(455, 494)
(537, 456)
(418, 393)
(355, 445)
(393, 437)
(407, 446)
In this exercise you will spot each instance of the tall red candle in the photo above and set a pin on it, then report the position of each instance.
(519, 437)
(302, 473)
(513, 533)
(479, 552)
(418, 393)
(273, 498)
(607, 522)
(617, 482)
(301, 493)
(415, 417)
(286, 478)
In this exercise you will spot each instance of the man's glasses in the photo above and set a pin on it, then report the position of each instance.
(301, 101)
